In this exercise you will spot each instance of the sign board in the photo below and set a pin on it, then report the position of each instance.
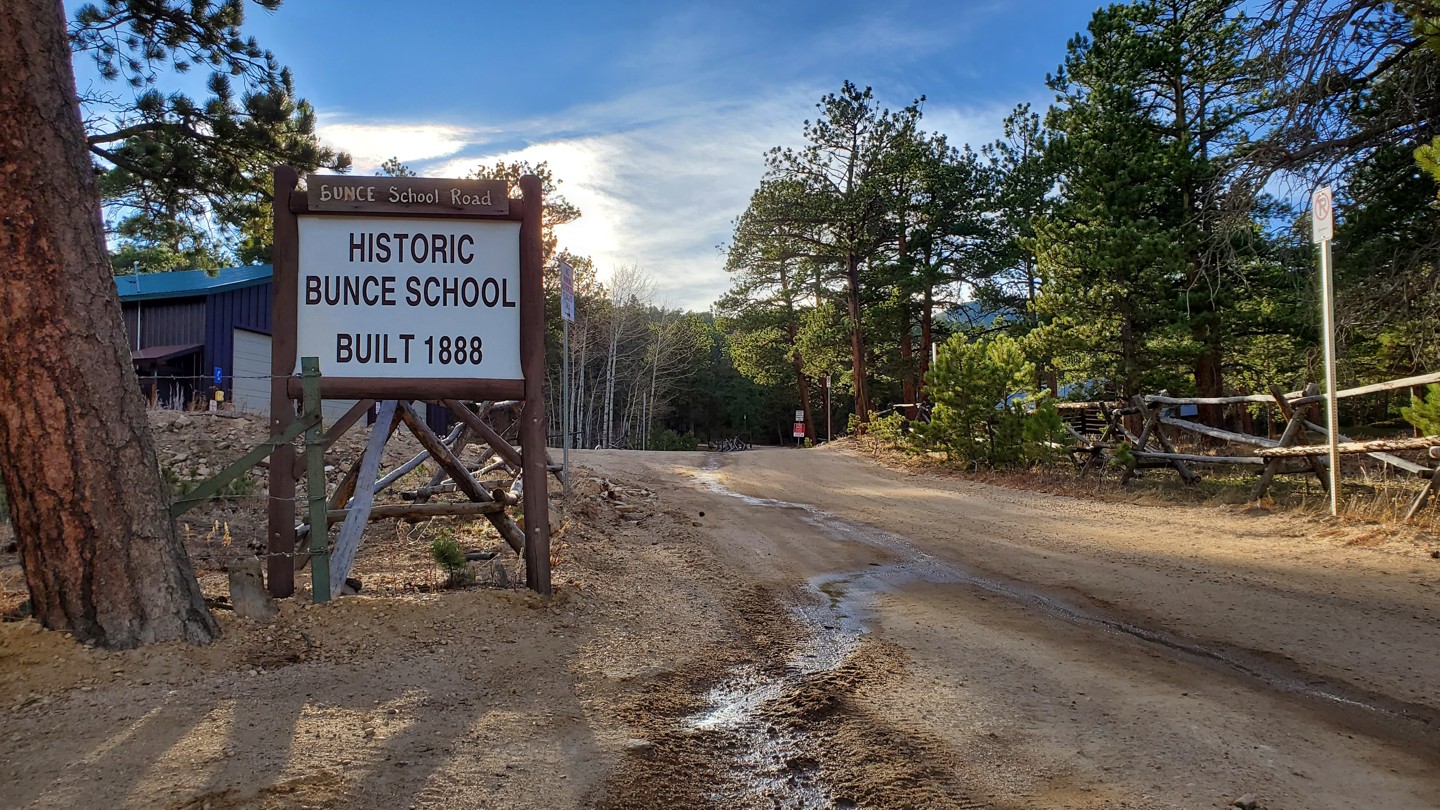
(416, 196)
(219, 375)
(1322, 215)
(567, 291)
(800, 416)
(405, 288)
(380, 297)
(799, 430)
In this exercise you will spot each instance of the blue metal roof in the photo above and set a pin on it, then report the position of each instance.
(190, 283)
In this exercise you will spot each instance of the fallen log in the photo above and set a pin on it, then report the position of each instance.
(1198, 458)
(1297, 398)
(1393, 461)
(1162, 399)
(1087, 406)
(1350, 447)
(421, 511)
(1217, 433)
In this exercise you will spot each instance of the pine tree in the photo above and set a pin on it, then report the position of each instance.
(90, 509)
(1156, 99)
(843, 167)
(184, 178)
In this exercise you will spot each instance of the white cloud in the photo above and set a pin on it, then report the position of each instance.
(658, 177)
(372, 143)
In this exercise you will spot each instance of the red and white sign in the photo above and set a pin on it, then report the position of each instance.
(1322, 215)
(799, 430)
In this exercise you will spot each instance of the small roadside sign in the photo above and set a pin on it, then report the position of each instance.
(567, 291)
(800, 416)
(799, 430)
(1322, 215)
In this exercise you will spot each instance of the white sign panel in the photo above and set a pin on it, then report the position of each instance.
(800, 416)
(567, 291)
(1322, 215)
(383, 297)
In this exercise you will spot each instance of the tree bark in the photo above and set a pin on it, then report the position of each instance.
(907, 362)
(797, 360)
(90, 510)
(857, 338)
(927, 338)
(1209, 378)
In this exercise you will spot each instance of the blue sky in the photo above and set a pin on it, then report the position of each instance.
(655, 115)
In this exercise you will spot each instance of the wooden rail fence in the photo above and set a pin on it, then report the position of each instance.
(1152, 447)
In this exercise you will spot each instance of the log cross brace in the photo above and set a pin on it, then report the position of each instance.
(464, 481)
(1152, 430)
(213, 485)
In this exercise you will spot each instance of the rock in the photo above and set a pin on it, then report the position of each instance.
(638, 745)
(1248, 802)
(501, 576)
(247, 591)
(556, 521)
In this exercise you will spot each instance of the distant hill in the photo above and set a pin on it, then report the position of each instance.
(973, 315)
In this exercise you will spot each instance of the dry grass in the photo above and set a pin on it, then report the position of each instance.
(1371, 492)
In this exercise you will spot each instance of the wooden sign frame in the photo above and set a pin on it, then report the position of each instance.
(288, 206)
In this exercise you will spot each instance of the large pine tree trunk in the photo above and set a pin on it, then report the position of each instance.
(1210, 374)
(857, 338)
(797, 360)
(927, 339)
(90, 510)
(907, 362)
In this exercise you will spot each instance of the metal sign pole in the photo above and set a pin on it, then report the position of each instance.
(1322, 231)
(827, 408)
(567, 314)
(565, 407)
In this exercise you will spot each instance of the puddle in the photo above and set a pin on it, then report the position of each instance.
(840, 604)
(773, 765)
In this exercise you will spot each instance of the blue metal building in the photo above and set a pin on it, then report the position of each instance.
(181, 327)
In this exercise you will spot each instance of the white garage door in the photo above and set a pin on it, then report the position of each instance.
(252, 373)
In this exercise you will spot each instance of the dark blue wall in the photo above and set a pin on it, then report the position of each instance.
(245, 308)
(165, 322)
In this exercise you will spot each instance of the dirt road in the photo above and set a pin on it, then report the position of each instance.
(1024, 650)
(782, 628)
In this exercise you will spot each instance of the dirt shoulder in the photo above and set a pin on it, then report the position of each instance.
(484, 697)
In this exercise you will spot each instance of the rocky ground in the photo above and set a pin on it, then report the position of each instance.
(773, 628)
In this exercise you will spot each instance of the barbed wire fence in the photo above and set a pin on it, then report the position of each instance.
(227, 531)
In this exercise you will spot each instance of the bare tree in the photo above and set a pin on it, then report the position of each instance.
(629, 291)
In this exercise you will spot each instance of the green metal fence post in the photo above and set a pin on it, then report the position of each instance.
(315, 481)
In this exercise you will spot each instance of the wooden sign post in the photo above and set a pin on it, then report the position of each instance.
(409, 289)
